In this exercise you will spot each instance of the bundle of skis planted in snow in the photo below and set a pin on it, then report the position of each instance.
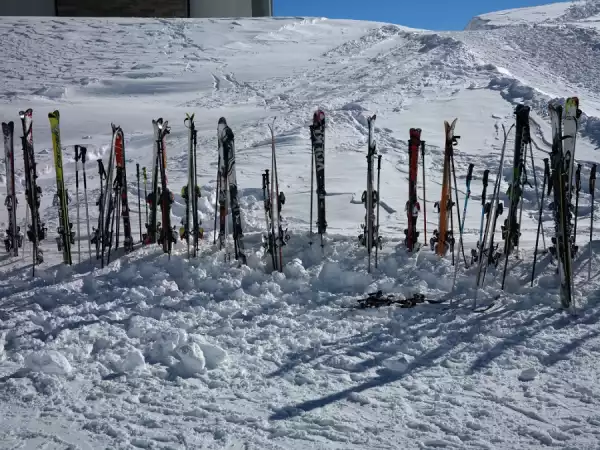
(113, 202)
(559, 174)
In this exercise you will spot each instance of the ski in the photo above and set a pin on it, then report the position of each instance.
(165, 232)
(269, 242)
(560, 165)
(412, 206)
(317, 137)
(36, 232)
(152, 197)
(277, 201)
(443, 238)
(191, 192)
(121, 186)
(66, 236)
(370, 198)
(12, 242)
(228, 176)
(379, 299)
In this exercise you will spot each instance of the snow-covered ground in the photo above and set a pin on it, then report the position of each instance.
(177, 354)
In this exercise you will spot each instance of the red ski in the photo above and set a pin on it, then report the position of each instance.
(412, 205)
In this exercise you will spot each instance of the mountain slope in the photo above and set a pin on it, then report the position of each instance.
(157, 353)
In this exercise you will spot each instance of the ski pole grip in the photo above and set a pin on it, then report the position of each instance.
(82, 152)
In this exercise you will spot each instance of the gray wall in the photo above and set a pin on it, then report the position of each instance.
(222, 8)
(27, 8)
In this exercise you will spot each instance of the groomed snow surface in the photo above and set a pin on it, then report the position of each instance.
(203, 354)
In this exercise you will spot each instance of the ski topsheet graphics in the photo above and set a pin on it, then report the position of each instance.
(121, 187)
(64, 226)
(229, 184)
(561, 161)
(443, 237)
(317, 137)
(36, 231)
(412, 205)
(511, 227)
(12, 242)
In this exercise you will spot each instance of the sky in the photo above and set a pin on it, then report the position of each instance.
(429, 14)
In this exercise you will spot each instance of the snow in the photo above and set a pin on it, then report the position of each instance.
(152, 352)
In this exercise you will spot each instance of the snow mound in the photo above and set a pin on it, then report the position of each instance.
(49, 362)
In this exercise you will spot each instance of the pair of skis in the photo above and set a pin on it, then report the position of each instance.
(14, 237)
(370, 237)
(190, 193)
(113, 203)
(413, 207)
(276, 237)
(36, 231)
(227, 194)
(160, 232)
(562, 158)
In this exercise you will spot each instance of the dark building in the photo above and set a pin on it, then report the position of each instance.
(137, 8)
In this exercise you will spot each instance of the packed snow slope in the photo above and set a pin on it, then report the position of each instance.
(160, 353)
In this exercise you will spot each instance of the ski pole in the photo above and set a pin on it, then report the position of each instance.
(537, 238)
(537, 195)
(145, 175)
(462, 224)
(424, 200)
(312, 178)
(82, 155)
(77, 203)
(577, 190)
(377, 238)
(137, 169)
(461, 247)
(593, 192)
(217, 199)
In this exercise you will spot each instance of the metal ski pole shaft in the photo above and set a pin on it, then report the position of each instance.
(593, 192)
(537, 195)
(82, 155)
(461, 246)
(312, 183)
(378, 238)
(217, 200)
(145, 192)
(541, 205)
(577, 190)
(137, 173)
(77, 203)
(424, 199)
(464, 218)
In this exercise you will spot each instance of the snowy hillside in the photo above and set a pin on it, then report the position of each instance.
(177, 354)
(554, 13)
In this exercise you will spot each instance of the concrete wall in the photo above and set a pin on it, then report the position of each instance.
(27, 8)
(137, 8)
(122, 8)
(221, 8)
